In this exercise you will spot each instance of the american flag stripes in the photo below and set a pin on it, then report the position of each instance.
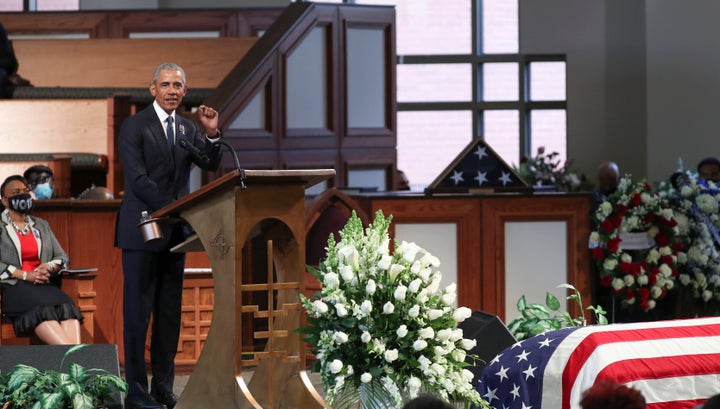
(675, 364)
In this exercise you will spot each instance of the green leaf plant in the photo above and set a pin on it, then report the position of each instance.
(28, 387)
(536, 318)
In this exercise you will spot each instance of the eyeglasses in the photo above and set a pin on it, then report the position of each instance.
(40, 180)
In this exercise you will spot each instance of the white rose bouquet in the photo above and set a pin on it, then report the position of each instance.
(382, 328)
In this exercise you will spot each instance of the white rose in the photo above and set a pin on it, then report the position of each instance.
(366, 377)
(642, 279)
(420, 344)
(626, 258)
(629, 280)
(391, 355)
(320, 306)
(461, 314)
(402, 331)
(341, 310)
(610, 264)
(388, 308)
(434, 314)
(336, 366)
(400, 292)
(365, 337)
(594, 239)
(707, 295)
(655, 291)
(448, 298)
(669, 284)
(665, 270)
(618, 283)
(665, 251)
(458, 354)
(366, 307)
(426, 332)
(331, 280)
(370, 287)
(415, 285)
(684, 279)
(384, 262)
(347, 273)
(606, 208)
(444, 334)
(468, 344)
(651, 304)
(414, 311)
(341, 337)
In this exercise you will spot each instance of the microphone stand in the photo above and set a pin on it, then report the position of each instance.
(243, 179)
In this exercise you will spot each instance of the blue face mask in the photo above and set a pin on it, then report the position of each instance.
(43, 191)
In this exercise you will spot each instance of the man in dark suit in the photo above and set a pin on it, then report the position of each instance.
(156, 174)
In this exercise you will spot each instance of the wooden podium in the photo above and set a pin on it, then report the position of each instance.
(224, 217)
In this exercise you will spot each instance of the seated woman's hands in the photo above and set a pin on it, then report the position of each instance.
(41, 274)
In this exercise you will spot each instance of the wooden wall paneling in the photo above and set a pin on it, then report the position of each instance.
(252, 159)
(369, 158)
(378, 17)
(255, 139)
(92, 244)
(86, 230)
(119, 109)
(497, 210)
(465, 214)
(124, 23)
(301, 138)
(254, 22)
(94, 24)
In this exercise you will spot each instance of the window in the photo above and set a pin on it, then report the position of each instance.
(460, 75)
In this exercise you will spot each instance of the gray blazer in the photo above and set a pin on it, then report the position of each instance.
(10, 259)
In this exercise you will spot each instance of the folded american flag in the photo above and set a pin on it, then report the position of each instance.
(674, 364)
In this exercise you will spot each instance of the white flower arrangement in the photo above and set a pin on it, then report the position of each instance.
(697, 209)
(381, 327)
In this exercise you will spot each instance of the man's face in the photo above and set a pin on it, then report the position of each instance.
(35, 179)
(168, 90)
(710, 172)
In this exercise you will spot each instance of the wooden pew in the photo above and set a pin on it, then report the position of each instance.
(127, 63)
(66, 126)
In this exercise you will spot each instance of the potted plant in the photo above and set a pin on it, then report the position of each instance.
(81, 388)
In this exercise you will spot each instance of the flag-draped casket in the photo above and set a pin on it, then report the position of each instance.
(675, 364)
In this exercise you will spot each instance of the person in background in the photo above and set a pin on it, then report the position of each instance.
(709, 169)
(157, 173)
(9, 77)
(606, 394)
(41, 181)
(29, 256)
(608, 179)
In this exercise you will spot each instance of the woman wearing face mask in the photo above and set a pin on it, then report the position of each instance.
(29, 255)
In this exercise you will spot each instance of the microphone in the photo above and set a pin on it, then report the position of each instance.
(243, 179)
(196, 153)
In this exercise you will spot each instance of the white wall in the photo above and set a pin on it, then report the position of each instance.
(643, 78)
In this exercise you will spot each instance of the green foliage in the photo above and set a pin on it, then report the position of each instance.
(80, 388)
(538, 318)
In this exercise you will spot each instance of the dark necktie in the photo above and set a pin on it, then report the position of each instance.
(170, 132)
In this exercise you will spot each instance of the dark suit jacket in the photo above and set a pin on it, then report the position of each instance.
(155, 177)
